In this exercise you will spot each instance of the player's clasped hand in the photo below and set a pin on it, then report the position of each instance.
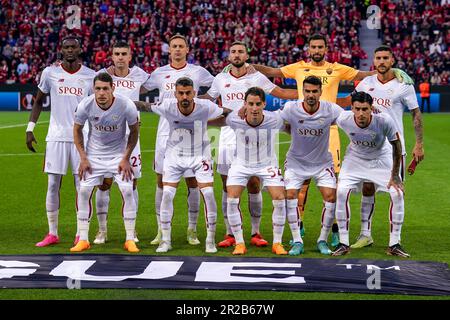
(125, 169)
(30, 140)
(242, 113)
(396, 183)
(84, 167)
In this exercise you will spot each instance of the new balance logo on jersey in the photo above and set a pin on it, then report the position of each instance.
(70, 91)
(310, 132)
(106, 128)
(227, 85)
(124, 84)
(61, 80)
(168, 76)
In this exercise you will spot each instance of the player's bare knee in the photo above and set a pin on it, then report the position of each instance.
(107, 182)
(192, 182)
(224, 182)
(291, 194)
(253, 185)
(159, 181)
(135, 183)
(368, 189)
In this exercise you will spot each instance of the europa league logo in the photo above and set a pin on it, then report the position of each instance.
(27, 101)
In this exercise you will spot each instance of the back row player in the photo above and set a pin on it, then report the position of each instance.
(67, 83)
(230, 86)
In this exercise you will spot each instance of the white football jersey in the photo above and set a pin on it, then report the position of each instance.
(391, 97)
(370, 142)
(188, 134)
(232, 90)
(164, 78)
(107, 137)
(66, 91)
(310, 132)
(130, 85)
(256, 145)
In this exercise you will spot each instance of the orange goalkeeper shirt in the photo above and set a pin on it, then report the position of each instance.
(330, 74)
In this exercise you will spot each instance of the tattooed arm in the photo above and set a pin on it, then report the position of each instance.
(395, 180)
(418, 152)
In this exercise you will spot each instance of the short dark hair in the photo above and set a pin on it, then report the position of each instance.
(105, 77)
(240, 43)
(313, 80)
(121, 44)
(184, 82)
(362, 97)
(178, 36)
(255, 91)
(71, 38)
(317, 36)
(384, 48)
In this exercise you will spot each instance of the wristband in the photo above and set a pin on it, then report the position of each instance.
(31, 126)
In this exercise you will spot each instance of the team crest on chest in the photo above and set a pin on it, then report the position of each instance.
(80, 82)
(329, 71)
(115, 117)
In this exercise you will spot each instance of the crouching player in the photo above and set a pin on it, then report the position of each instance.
(188, 149)
(107, 154)
(369, 158)
(256, 156)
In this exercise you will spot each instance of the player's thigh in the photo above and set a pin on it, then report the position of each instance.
(57, 157)
(235, 191)
(328, 194)
(276, 192)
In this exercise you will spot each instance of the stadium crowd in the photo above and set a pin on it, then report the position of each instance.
(276, 32)
(418, 32)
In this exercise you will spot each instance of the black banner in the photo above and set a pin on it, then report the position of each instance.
(223, 273)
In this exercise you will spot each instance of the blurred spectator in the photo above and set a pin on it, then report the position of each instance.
(22, 67)
(3, 72)
(424, 88)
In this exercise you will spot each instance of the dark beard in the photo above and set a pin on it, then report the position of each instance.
(238, 65)
(317, 59)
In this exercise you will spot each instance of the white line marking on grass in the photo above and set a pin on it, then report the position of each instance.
(20, 154)
(19, 125)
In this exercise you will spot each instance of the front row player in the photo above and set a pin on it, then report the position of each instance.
(256, 156)
(107, 153)
(369, 158)
(188, 148)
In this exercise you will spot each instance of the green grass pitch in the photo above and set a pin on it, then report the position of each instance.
(23, 218)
